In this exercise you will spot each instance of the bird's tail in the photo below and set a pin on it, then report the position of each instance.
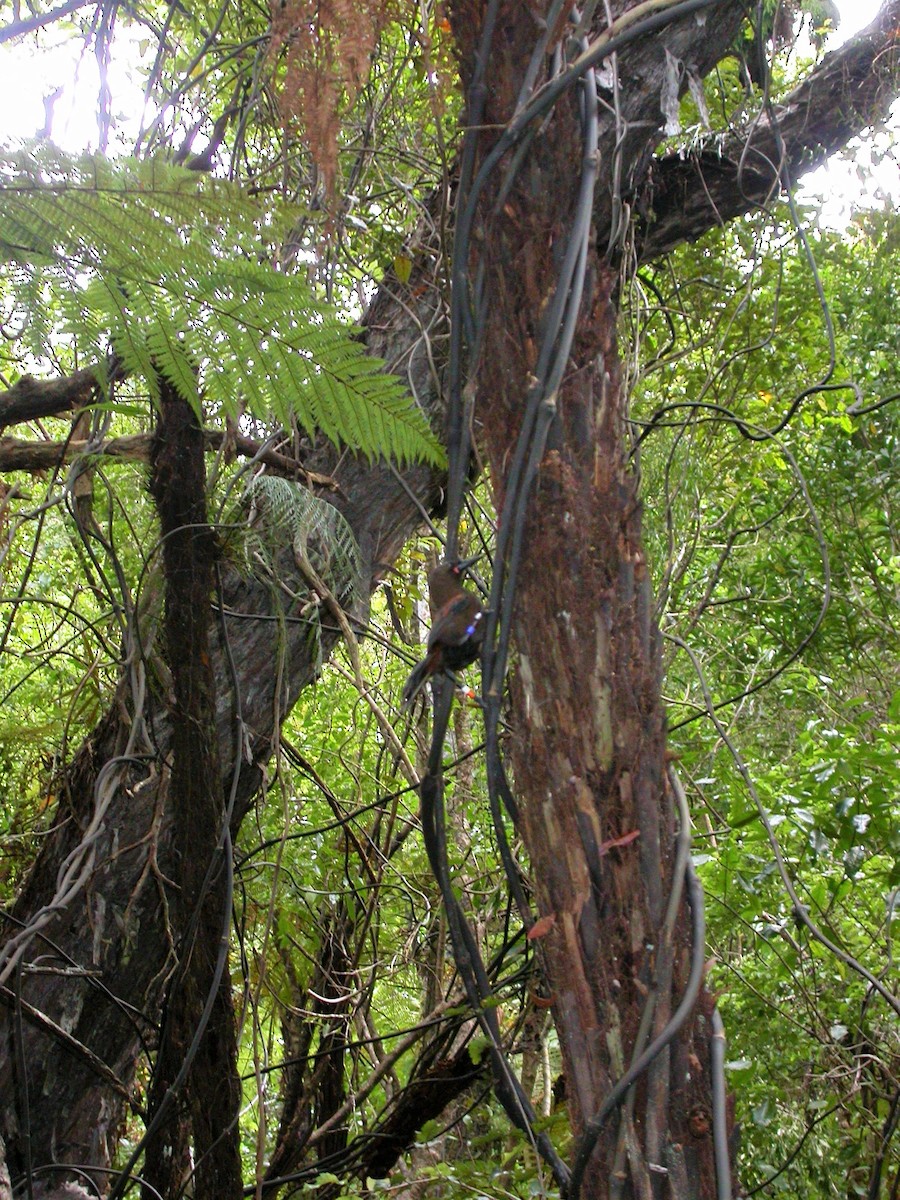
(417, 678)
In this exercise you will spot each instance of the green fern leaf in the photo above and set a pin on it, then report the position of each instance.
(173, 271)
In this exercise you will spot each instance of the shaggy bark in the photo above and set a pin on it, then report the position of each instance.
(84, 1000)
(195, 1087)
(587, 713)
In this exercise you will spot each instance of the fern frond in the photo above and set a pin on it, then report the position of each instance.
(174, 271)
(281, 514)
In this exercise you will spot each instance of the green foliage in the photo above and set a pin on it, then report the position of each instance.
(833, 808)
(765, 550)
(60, 634)
(173, 273)
(281, 513)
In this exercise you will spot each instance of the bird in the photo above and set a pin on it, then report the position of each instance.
(457, 627)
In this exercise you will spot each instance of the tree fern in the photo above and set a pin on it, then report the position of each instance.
(174, 271)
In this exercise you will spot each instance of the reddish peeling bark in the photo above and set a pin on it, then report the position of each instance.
(587, 717)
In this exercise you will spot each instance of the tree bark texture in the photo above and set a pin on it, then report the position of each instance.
(851, 90)
(195, 1088)
(587, 718)
(88, 948)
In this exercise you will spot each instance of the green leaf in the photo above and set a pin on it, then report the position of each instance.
(174, 271)
(477, 1049)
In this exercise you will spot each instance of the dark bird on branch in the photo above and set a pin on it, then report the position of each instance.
(457, 627)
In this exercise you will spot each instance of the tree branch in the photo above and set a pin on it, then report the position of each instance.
(17, 454)
(31, 398)
(851, 90)
(29, 24)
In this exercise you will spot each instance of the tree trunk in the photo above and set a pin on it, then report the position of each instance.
(588, 722)
(195, 1087)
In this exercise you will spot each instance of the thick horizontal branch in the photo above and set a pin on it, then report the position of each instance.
(851, 90)
(30, 398)
(19, 455)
